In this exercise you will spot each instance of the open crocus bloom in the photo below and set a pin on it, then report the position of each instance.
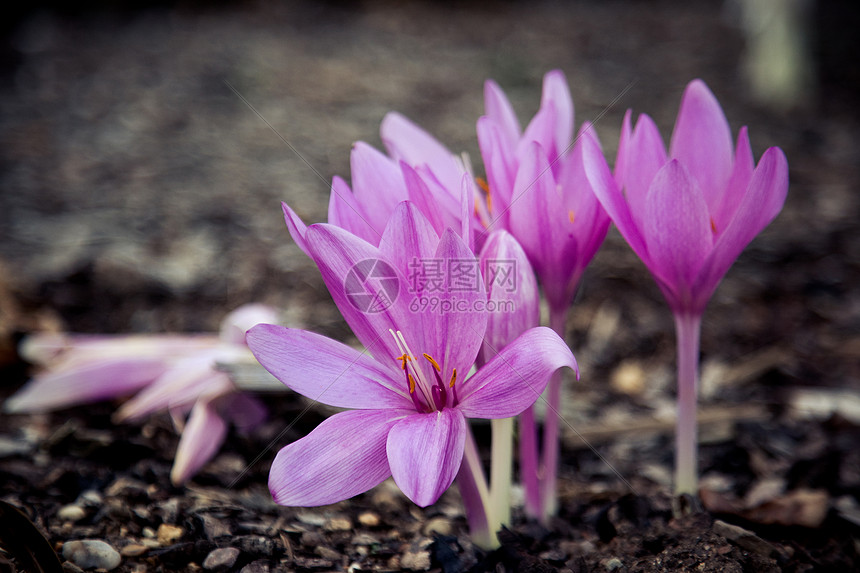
(176, 373)
(411, 391)
(688, 214)
(537, 187)
(418, 168)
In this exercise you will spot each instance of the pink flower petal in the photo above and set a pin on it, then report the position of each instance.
(589, 221)
(500, 164)
(540, 222)
(760, 205)
(425, 452)
(744, 165)
(540, 130)
(325, 370)
(408, 240)
(369, 290)
(646, 156)
(296, 227)
(406, 141)
(514, 299)
(180, 386)
(343, 457)
(514, 379)
(499, 109)
(85, 383)
(377, 183)
(621, 157)
(702, 141)
(202, 437)
(557, 94)
(606, 190)
(424, 199)
(677, 228)
(344, 211)
(459, 322)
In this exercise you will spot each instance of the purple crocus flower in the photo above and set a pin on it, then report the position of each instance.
(411, 391)
(537, 188)
(174, 373)
(688, 214)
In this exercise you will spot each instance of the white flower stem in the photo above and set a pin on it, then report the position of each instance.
(476, 497)
(687, 329)
(501, 472)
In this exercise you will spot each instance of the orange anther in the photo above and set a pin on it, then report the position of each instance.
(433, 362)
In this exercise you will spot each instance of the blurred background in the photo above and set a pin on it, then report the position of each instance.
(140, 193)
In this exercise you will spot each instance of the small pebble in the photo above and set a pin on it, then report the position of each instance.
(311, 518)
(167, 533)
(368, 519)
(613, 563)
(90, 498)
(261, 566)
(628, 378)
(338, 524)
(415, 560)
(71, 513)
(220, 559)
(133, 550)
(91, 554)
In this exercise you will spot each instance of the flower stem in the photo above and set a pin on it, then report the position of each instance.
(529, 462)
(501, 464)
(473, 490)
(687, 329)
(551, 435)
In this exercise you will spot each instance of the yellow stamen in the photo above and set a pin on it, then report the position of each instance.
(404, 359)
(433, 362)
(453, 378)
(713, 226)
(485, 187)
(571, 215)
(411, 383)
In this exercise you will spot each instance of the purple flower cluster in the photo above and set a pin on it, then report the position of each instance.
(439, 349)
(546, 202)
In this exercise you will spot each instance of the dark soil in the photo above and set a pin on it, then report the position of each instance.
(138, 193)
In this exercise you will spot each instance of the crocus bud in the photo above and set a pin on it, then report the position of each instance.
(513, 299)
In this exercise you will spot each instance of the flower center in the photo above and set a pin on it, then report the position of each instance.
(426, 396)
